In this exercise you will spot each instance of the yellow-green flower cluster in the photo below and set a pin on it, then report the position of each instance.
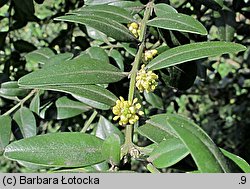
(127, 111)
(146, 80)
(150, 54)
(134, 28)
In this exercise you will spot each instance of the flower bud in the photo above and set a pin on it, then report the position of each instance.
(146, 81)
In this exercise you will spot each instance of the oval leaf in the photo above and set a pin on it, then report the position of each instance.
(105, 128)
(162, 9)
(178, 22)
(5, 131)
(81, 70)
(106, 11)
(168, 153)
(237, 160)
(11, 90)
(112, 149)
(205, 153)
(67, 108)
(57, 150)
(92, 95)
(110, 27)
(35, 104)
(26, 122)
(193, 51)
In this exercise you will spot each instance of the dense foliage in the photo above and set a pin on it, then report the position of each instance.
(75, 97)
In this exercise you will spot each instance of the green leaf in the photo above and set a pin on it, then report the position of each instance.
(105, 128)
(162, 9)
(127, 47)
(11, 90)
(154, 100)
(116, 55)
(26, 122)
(110, 27)
(35, 104)
(39, 56)
(5, 131)
(112, 149)
(213, 4)
(95, 34)
(205, 153)
(23, 46)
(98, 2)
(178, 22)
(115, 13)
(57, 150)
(168, 153)
(67, 108)
(155, 130)
(81, 70)
(132, 6)
(193, 51)
(225, 20)
(237, 160)
(58, 58)
(92, 95)
(97, 53)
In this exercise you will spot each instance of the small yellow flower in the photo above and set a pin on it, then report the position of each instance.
(127, 111)
(146, 80)
(150, 54)
(134, 29)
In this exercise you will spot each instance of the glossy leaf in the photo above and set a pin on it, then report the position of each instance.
(112, 149)
(237, 160)
(81, 70)
(155, 130)
(162, 9)
(116, 55)
(127, 47)
(168, 153)
(154, 100)
(110, 27)
(193, 51)
(105, 128)
(57, 150)
(26, 122)
(35, 104)
(92, 95)
(115, 13)
(5, 131)
(205, 153)
(95, 34)
(11, 90)
(178, 22)
(67, 108)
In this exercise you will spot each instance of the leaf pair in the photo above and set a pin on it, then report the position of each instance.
(77, 77)
(179, 137)
(104, 18)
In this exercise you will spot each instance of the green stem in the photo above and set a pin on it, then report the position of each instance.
(87, 123)
(21, 102)
(152, 168)
(129, 128)
(138, 56)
